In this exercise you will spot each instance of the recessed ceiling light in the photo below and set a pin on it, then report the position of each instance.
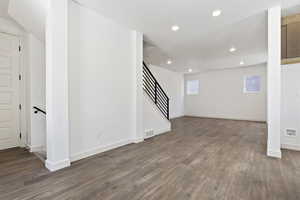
(232, 49)
(175, 28)
(217, 13)
(190, 70)
(242, 63)
(169, 62)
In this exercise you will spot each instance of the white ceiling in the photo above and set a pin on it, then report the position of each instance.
(203, 41)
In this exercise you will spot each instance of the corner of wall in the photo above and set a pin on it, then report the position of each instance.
(274, 153)
(55, 166)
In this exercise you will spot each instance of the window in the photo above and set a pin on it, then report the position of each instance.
(192, 87)
(252, 84)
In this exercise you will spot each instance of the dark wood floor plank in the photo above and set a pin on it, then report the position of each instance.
(200, 159)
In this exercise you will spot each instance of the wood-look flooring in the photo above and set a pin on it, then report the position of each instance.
(201, 159)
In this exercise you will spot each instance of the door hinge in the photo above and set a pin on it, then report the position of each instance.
(20, 135)
(20, 107)
(20, 48)
(20, 77)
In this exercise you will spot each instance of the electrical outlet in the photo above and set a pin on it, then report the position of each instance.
(291, 132)
(149, 133)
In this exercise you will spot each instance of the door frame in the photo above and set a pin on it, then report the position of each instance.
(24, 93)
(21, 90)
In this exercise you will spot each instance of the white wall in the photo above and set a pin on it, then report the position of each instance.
(173, 84)
(290, 113)
(102, 74)
(221, 95)
(37, 93)
(153, 119)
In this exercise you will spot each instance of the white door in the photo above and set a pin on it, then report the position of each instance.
(9, 87)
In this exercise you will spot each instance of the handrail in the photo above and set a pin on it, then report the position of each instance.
(152, 76)
(155, 91)
(38, 110)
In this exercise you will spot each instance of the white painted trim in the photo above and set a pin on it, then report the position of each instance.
(138, 140)
(162, 131)
(291, 147)
(23, 91)
(274, 154)
(36, 148)
(100, 149)
(158, 132)
(54, 166)
(225, 118)
(178, 116)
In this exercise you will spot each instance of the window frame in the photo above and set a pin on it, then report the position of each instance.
(245, 84)
(187, 87)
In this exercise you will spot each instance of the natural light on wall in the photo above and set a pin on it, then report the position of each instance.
(252, 84)
(192, 87)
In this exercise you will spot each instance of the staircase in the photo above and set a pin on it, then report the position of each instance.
(155, 91)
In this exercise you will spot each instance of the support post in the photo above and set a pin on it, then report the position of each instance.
(57, 102)
(138, 84)
(274, 81)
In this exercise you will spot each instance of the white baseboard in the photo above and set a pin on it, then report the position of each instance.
(54, 166)
(274, 154)
(36, 148)
(97, 150)
(228, 118)
(161, 131)
(290, 147)
(178, 116)
(138, 140)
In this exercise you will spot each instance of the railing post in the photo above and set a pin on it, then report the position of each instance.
(168, 101)
(155, 92)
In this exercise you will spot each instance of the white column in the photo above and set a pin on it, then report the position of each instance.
(58, 155)
(138, 60)
(274, 81)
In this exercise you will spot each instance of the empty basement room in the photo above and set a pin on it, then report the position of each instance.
(149, 100)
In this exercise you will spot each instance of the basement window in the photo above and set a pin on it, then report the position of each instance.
(252, 84)
(192, 87)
